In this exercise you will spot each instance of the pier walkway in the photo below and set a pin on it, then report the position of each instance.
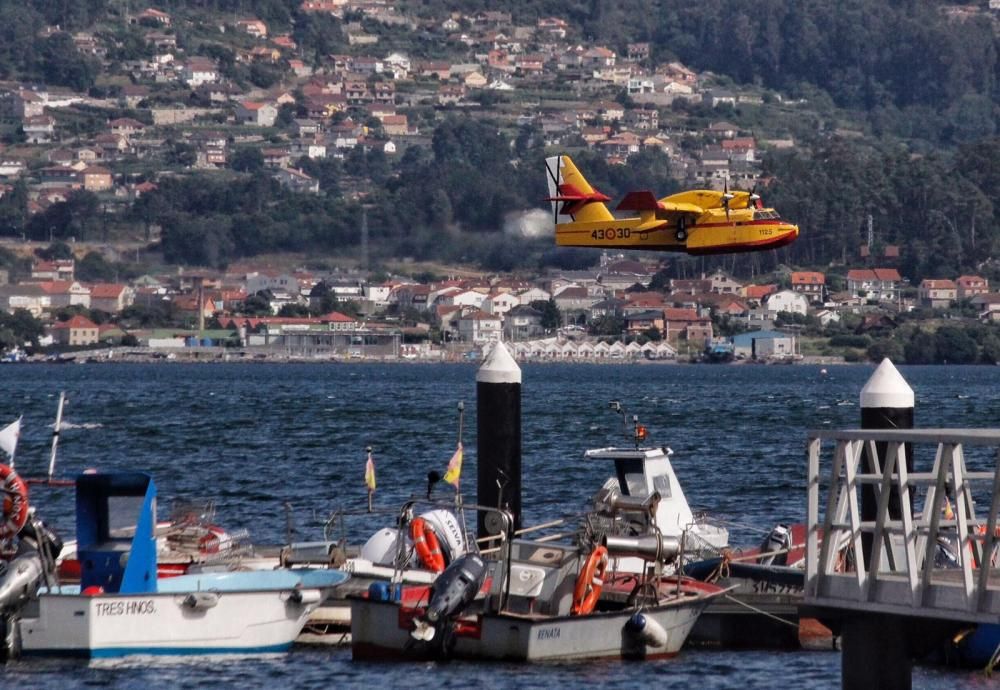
(902, 552)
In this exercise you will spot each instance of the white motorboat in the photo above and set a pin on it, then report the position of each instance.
(536, 602)
(121, 608)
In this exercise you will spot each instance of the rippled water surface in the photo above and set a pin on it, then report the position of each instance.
(253, 437)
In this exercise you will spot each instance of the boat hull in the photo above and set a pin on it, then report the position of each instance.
(381, 630)
(161, 624)
(211, 614)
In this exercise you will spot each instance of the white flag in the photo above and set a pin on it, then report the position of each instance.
(9, 435)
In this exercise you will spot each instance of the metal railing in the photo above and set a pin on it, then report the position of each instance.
(940, 562)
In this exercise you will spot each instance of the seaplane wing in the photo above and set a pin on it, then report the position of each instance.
(700, 221)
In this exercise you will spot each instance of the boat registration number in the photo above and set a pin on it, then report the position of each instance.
(144, 607)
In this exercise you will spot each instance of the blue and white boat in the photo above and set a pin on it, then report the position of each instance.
(120, 608)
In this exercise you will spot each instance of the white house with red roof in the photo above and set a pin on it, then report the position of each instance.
(479, 328)
(499, 303)
(970, 286)
(111, 297)
(809, 283)
(57, 269)
(256, 113)
(65, 293)
(881, 284)
(937, 293)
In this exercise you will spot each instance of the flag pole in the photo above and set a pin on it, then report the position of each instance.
(17, 438)
(55, 434)
(458, 489)
(369, 466)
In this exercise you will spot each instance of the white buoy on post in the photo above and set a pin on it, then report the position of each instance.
(498, 435)
(875, 648)
(887, 402)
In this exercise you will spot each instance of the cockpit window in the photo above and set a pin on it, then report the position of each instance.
(766, 214)
(631, 478)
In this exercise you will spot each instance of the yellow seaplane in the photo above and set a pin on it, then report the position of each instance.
(699, 221)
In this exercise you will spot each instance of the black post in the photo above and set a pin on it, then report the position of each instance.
(498, 435)
(887, 402)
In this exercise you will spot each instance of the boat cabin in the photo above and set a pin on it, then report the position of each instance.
(641, 472)
(115, 520)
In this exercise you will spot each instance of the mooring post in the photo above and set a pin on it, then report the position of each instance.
(875, 654)
(498, 435)
(887, 402)
(875, 647)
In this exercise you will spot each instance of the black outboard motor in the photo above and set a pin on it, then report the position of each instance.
(36, 536)
(451, 594)
(778, 540)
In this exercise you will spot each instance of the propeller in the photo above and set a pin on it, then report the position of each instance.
(726, 197)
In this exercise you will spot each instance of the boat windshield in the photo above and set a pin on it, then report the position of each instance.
(122, 511)
(632, 477)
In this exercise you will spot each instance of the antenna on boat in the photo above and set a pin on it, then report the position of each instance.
(55, 434)
(638, 432)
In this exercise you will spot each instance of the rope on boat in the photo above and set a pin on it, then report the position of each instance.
(760, 611)
(988, 671)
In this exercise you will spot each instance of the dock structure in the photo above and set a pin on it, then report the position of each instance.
(884, 582)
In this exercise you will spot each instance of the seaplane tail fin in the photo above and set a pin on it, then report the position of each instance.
(572, 197)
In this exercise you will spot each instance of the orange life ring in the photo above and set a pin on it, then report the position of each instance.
(427, 545)
(15, 502)
(590, 582)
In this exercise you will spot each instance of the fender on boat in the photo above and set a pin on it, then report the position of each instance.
(647, 630)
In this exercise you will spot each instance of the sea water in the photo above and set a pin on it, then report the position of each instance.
(275, 446)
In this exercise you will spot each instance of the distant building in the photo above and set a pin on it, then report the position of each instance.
(879, 284)
(937, 294)
(764, 344)
(297, 181)
(256, 113)
(809, 283)
(77, 331)
(522, 323)
(786, 301)
(970, 286)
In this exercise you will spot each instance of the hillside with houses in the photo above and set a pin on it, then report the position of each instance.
(172, 176)
(618, 310)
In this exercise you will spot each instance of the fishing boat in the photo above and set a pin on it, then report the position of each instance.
(537, 601)
(764, 582)
(121, 608)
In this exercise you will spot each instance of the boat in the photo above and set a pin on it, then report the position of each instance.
(643, 499)
(121, 608)
(537, 601)
(719, 352)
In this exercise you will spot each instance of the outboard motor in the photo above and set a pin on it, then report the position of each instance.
(778, 540)
(20, 578)
(382, 548)
(451, 594)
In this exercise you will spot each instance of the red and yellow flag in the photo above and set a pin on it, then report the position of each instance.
(454, 471)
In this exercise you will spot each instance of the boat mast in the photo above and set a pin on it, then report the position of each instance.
(55, 434)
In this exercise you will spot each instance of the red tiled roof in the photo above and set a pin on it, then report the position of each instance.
(106, 290)
(77, 321)
(808, 278)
